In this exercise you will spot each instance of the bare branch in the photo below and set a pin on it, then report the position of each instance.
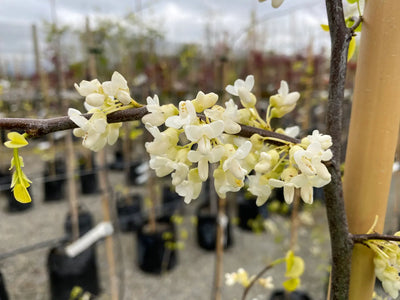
(341, 243)
(254, 280)
(40, 127)
(361, 238)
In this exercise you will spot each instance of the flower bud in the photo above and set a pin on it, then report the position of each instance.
(95, 99)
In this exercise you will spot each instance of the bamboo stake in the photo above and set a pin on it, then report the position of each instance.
(373, 134)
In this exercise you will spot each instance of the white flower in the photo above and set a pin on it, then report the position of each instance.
(155, 116)
(258, 186)
(230, 278)
(96, 132)
(117, 88)
(180, 174)
(162, 165)
(202, 158)
(310, 160)
(230, 116)
(283, 102)
(292, 131)
(288, 186)
(204, 101)
(324, 140)
(266, 282)
(190, 188)
(264, 164)
(95, 99)
(306, 184)
(232, 163)
(243, 90)
(86, 88)
(187, 115)
(164, 142)
(226, 182)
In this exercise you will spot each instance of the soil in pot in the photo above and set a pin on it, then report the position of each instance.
(54, 183)
(3, 289)
(283, 295)
(65, 273)
(206, 229)
(129, 212)
(154, 255)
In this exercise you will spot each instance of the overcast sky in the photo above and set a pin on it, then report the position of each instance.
(290, 27)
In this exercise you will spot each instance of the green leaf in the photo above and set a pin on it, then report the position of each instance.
(21, 193)
(16, 140)
(291, 284)
(325, 27)
(352, 48)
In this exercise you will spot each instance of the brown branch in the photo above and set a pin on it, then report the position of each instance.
(341, 243)
(361, 238)
(357, 23)
(41, 127)
(254, 280)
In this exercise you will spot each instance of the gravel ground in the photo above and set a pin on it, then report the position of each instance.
(26, 275)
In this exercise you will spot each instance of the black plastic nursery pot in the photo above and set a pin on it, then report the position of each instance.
(137, 172)
(12, 204)
(153, 254)
(3, 289)
(89, 183)
(15, 206)
(129, 212)
(88, 175)
(206, 229)
(249, 214)
(54, 184)
(283, 295)
(118, 163)
(85, 220)
(171, 202)
(65, 273)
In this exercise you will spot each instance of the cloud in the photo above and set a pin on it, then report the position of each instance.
(182, 21)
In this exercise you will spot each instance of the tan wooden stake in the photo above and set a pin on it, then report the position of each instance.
(72, 191)
(219, 249)
(105, 196)
(373, 134)
(39, 69)
(105, 205)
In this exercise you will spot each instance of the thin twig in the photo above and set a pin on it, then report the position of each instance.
(254, 280)
(361, 238)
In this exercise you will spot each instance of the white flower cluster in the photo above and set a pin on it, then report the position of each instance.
(190, 143)
(100, 100)
(241, 277)
(387, 264)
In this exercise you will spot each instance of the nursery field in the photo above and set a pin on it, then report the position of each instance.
(26, 274)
